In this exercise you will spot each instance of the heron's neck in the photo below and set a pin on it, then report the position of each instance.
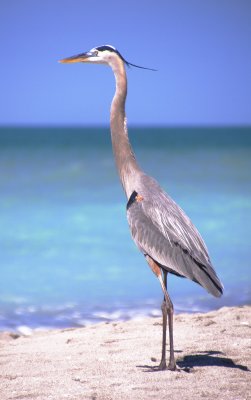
(125, 159)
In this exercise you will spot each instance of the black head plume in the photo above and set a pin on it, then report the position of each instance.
(112, 49)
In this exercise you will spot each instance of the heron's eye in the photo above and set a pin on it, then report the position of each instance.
(95, 53)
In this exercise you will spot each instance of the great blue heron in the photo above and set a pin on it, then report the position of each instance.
(159, 227)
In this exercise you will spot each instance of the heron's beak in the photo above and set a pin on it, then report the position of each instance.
(78, 58)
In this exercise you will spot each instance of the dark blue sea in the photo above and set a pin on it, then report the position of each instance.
(66, 255)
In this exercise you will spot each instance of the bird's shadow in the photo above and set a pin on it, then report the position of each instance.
(209, 358)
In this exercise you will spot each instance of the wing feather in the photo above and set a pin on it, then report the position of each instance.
(162, 230)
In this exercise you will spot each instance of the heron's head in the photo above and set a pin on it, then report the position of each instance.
(99, 55)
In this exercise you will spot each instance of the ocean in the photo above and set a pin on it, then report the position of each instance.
(66, 255)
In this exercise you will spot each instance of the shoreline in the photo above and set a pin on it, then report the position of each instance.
(116, 360)
(31, 319)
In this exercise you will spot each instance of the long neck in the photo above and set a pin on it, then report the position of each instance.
(124, 156)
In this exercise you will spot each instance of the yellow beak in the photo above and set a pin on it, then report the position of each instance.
(77, 58)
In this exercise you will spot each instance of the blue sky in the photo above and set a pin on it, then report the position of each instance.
(202, 50)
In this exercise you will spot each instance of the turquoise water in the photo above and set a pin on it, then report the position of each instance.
(66, 255)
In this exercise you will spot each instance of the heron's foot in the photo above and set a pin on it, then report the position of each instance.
(162, 365)
(170, 367)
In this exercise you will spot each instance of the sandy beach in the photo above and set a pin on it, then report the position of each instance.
(116, 360)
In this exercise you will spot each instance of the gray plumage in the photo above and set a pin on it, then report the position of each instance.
(160, 229)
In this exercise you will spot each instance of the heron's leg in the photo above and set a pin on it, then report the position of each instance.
(162, 365)
(167, 311)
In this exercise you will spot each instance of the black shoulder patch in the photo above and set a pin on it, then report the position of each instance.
(132, 199)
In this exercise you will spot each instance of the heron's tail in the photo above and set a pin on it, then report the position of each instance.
(207, 277)
(200, 272)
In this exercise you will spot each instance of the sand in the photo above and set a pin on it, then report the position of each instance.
(116, 360)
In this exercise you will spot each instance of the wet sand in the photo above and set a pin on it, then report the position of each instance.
(116, 360)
